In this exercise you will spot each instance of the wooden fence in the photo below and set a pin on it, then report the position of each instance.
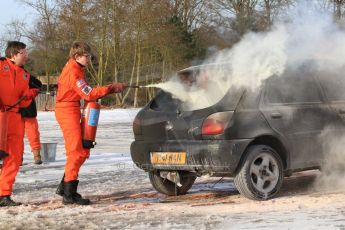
(46, 101)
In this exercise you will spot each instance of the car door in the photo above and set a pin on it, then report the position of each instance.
(294, 108)
(333, 87)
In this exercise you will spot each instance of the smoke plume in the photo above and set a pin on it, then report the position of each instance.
(305, 33)
(333, 168)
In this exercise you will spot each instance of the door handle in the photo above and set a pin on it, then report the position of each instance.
(276, 115)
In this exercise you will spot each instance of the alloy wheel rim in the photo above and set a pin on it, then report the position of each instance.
(264, 173)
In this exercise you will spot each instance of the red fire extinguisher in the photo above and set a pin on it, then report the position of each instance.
(89, 123)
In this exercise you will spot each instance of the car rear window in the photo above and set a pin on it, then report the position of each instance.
(292, 88)
(204, 85)
(164, 102)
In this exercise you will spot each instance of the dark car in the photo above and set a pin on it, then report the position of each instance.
(255, 136)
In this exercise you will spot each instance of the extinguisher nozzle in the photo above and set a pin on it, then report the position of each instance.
(134, 86)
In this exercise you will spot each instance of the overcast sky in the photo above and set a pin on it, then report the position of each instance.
(13, 10)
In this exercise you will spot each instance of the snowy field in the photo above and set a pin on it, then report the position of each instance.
(122, 197)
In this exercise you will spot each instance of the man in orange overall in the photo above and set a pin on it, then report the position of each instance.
(72, 87)
(31, 123)
(14, 86)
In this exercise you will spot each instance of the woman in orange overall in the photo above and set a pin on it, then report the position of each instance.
(31, 124)
(14, 86)
(33, 135)
(72, 87)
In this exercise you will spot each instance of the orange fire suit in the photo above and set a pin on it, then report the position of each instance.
(72, 87)
(13, 85)
(32, 132)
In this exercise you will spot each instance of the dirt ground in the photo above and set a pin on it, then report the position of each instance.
(123, 198)
(209, 205)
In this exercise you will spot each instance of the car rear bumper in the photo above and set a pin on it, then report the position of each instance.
(204, 156)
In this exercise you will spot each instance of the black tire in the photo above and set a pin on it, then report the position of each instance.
(169, 188)
(261, 173)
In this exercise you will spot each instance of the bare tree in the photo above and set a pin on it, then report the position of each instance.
(135, 41)
(338, 5)
(44, 37)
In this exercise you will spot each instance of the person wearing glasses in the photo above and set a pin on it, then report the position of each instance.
(14, 94)
(72, 87)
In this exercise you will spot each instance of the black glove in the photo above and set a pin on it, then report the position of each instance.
(34, 82)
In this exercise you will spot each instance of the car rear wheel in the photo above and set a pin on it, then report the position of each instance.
(168, 187)
(261, 173)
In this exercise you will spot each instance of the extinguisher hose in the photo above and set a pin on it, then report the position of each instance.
(14, 105)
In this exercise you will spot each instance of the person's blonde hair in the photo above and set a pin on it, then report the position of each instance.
(79, 48)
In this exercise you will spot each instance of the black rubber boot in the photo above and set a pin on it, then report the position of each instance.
(60, 188)
(6, 201)
(71, 196)
(37, 156)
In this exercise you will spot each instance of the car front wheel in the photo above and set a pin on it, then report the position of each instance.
(168, 187)
(261, 174)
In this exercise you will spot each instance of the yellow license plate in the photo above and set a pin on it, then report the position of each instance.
(168, 158)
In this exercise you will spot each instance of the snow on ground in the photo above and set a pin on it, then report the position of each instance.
(124, 199)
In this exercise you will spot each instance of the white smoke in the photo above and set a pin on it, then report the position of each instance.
(256, 57)
(304, 34)
(247, 64)
(333, 168)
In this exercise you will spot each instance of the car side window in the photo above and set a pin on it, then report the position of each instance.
(333, 86)
(292, 89)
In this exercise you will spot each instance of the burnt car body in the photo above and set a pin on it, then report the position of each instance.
(255, 136)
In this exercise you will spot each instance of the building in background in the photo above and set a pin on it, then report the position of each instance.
(45, 101)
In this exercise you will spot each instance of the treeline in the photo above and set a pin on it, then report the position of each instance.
(143, 41)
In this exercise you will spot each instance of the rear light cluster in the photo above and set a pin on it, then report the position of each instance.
(136, 127)
(215, 123)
